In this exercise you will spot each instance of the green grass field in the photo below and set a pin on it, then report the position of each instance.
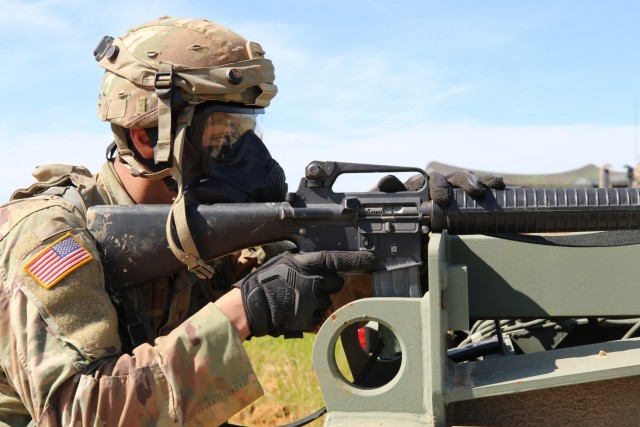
(286, 373)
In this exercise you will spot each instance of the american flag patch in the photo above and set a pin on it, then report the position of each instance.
(57, 260)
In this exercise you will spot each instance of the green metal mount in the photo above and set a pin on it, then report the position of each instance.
(473, 277)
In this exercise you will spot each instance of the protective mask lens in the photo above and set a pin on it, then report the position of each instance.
(220, 132)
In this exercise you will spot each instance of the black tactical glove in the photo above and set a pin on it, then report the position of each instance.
(440, 186)
(289, 293)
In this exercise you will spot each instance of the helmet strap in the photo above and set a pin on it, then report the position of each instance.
(127, 156)
(184, 248)
(164, 87)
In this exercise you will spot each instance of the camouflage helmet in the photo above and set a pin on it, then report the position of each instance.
(155, 76)
(201, 60)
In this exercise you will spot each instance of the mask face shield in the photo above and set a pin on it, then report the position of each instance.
(218, 129)
(234, 164)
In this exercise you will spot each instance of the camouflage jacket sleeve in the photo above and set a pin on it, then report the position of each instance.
(59, 358)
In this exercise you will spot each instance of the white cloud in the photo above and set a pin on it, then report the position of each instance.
(30, 150)
(530, 149)
(361, 101)
(502, 149)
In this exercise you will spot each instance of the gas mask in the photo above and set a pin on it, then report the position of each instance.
(225, 160)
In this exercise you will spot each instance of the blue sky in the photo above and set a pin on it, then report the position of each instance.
(530, 86)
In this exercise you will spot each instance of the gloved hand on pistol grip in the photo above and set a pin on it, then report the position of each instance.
(290, 293)
(441, 186)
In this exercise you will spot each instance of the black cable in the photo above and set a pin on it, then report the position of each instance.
(320, 412)
(306, 420)
(372, 360)
(361, 376)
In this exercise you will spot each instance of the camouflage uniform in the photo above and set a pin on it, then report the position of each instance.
(60, 359)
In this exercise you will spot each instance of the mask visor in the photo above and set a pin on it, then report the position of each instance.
(218, 128)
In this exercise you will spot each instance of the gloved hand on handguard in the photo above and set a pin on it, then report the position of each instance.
(441, 186)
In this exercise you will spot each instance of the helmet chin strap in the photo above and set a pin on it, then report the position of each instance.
(185, 248)
(163, 83)
(127, 157)
(164, 89)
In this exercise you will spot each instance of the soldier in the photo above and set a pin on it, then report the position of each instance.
(184, 99)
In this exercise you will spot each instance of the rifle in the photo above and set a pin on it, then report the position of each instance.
(423, 386)
(134, 246)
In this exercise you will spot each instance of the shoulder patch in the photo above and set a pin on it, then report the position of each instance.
(57, 260)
